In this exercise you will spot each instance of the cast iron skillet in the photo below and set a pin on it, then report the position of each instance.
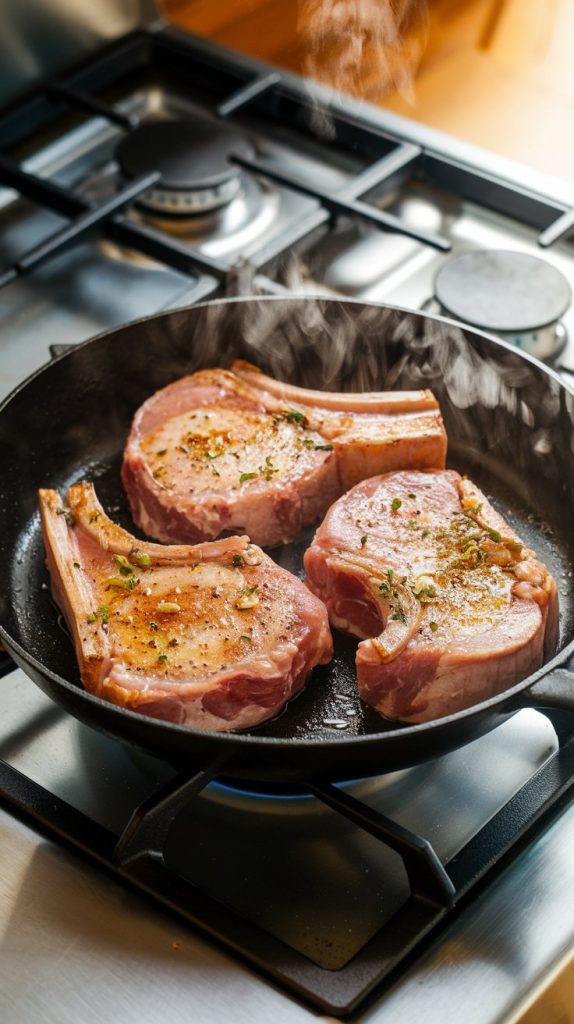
(510, 426)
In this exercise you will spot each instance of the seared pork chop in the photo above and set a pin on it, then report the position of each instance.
(213, 636)
(449, 605)
(234, 451)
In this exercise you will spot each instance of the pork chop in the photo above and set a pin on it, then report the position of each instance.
(449, 605)
(213, 636)
(371, 432)
(224, 452)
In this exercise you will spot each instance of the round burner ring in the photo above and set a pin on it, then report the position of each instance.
(500, 290)
(518, 297)
(192, 158)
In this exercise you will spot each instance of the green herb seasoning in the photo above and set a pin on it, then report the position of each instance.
(143, 560)
(104, 614)
(122, 582)
(268, 470)
(246, 476)
(396, 504)
(390, 593)
(168, 607)
(423, 591)
(126, 568)
(247, 599)
(65, 512)
(399, 616)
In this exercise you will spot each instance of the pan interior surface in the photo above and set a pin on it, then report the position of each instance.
(330, 702)
(507, 430)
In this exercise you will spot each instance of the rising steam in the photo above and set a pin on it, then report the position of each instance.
(498, 410)
(363, 48)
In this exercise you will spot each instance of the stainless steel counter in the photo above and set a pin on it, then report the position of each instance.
(76, 947)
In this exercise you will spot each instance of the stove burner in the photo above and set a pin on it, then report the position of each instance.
(192, 157)
(514, 295)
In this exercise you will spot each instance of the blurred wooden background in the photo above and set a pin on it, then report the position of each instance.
(499, 73)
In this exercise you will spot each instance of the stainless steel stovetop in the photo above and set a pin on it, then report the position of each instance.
(98, 950)
(271, 237)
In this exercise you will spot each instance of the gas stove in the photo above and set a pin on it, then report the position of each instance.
(355, 202)
(159, 172)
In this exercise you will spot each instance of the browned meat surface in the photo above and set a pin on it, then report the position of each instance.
(213, 636)
(449, 605)
(223, 452)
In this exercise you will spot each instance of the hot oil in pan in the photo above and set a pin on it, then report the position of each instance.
(330, 704)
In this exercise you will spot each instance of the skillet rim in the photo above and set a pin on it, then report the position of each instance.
(280, 743)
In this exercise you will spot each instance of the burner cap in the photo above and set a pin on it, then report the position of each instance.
(192, 158)
(500, 290)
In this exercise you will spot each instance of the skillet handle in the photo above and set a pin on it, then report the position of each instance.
(554, 691)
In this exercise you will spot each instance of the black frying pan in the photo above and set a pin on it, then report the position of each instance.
(510, 427)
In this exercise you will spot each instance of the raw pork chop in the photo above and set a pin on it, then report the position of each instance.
(450, 607)
(231, 452)
(214, 636)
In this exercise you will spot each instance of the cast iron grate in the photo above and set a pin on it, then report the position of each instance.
(228, 89)
(136, 857)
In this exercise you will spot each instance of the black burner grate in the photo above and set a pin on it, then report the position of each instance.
(142, 856)
(228, 89)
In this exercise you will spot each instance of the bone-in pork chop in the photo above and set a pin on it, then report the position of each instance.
(224, 452)
(449, 605)
(213, 636)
